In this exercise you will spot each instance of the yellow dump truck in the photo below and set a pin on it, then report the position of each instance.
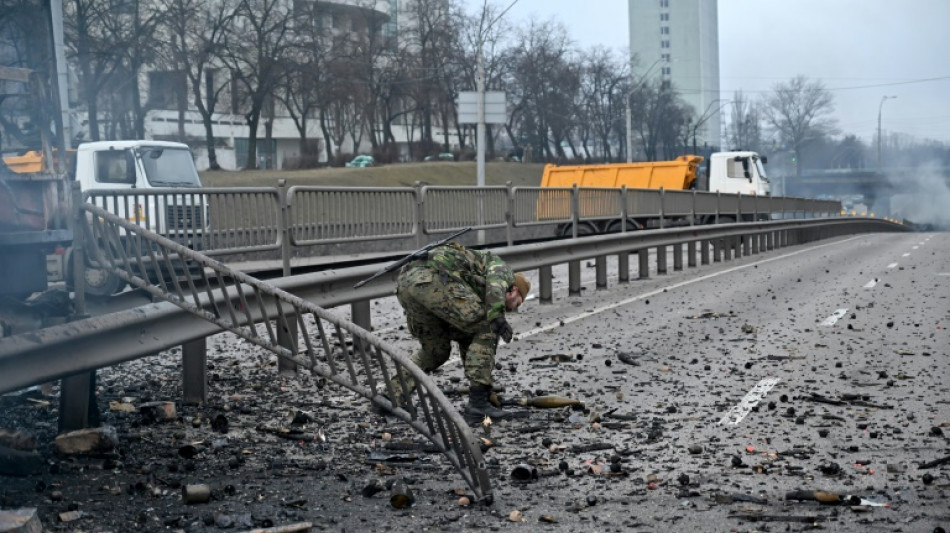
(677, 174)
(739, 172)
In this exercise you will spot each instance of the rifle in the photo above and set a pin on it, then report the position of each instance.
(418, 254)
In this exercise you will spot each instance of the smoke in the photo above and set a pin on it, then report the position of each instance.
(921, 195)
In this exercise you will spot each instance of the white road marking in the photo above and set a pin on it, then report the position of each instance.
(905, 255)
(661, 290)
(943, 273)
(914, 247)
(830, 321)
(870, 284)
(744, 407)
(892, 265)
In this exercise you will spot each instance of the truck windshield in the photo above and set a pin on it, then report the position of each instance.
(760, 168)
(169, 167)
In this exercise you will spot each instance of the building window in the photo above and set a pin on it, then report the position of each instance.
(666, 71)
(664, 3)
(664, 17)
(664, 44)
(665, 30)
(665, 57)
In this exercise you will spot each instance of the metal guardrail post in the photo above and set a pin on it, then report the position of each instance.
(643, 267)
(574, 278)
(623, 267)
(546, 278)
(600, 267)
(194, 371)
(678, 256)
(661, 259)
(691, 254)
(362, 317)
(704, 252)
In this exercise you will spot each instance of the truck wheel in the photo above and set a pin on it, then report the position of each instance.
(632, 225)
(99, 282)
(583, 229)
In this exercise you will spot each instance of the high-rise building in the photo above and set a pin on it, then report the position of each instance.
(677, 41)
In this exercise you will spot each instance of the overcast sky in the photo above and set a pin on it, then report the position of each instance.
(861, 50)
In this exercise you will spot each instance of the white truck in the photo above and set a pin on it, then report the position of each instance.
(120, 177)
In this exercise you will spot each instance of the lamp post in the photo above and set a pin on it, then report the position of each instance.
(629, 113)
(879, 107)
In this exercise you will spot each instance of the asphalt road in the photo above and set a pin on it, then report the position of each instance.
(816, 368)
(717, 391)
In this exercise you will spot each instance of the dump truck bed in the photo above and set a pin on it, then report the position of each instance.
(676, 175)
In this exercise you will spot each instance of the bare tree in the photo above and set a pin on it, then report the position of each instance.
(542, 86)
(91, 47)
(256, 53)
(798, 111)
(195, 34)
(603, 87)
(744, 130)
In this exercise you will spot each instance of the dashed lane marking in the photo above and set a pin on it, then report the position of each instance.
(830, 321)
(598, 310)
(870, 284)
(906, 255)
(892, 265)
(745, 406)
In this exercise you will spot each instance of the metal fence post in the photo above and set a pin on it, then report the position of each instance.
(510, 215)
(283, 226)
(546, 277)
(575, 210)
(78, 267)
(420, 216)
(623, 208)
(662, 207)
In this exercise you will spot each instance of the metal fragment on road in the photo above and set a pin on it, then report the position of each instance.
(737, 413)
(831, 320)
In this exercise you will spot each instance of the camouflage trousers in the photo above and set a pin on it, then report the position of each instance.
(440, 310)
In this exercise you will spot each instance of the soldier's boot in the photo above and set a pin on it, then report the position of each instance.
(479, 406)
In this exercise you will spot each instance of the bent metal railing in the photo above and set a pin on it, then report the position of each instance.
(328, 345)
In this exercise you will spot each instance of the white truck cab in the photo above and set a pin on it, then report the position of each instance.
(135, 165)
(738, 172)
(151, 183)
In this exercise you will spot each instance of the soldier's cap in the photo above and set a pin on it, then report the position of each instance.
(524, 286)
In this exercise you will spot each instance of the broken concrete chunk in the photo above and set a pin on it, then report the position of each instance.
(158, 412)
(18, 440)
(20, 521)
(19, 463)
(100, 439)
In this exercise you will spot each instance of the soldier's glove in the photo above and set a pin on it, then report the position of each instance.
(502, 328)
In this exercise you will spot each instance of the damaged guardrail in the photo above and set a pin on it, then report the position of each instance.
(288, 326)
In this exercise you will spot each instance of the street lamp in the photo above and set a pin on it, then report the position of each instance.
(636, 88)
(879, 107)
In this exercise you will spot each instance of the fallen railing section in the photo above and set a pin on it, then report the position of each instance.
(288, 326)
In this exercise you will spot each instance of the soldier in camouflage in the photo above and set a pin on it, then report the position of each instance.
(461, 295)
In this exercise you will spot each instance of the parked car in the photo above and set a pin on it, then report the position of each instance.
(361, 161)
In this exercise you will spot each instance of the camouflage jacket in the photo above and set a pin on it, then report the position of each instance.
(484, 272)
